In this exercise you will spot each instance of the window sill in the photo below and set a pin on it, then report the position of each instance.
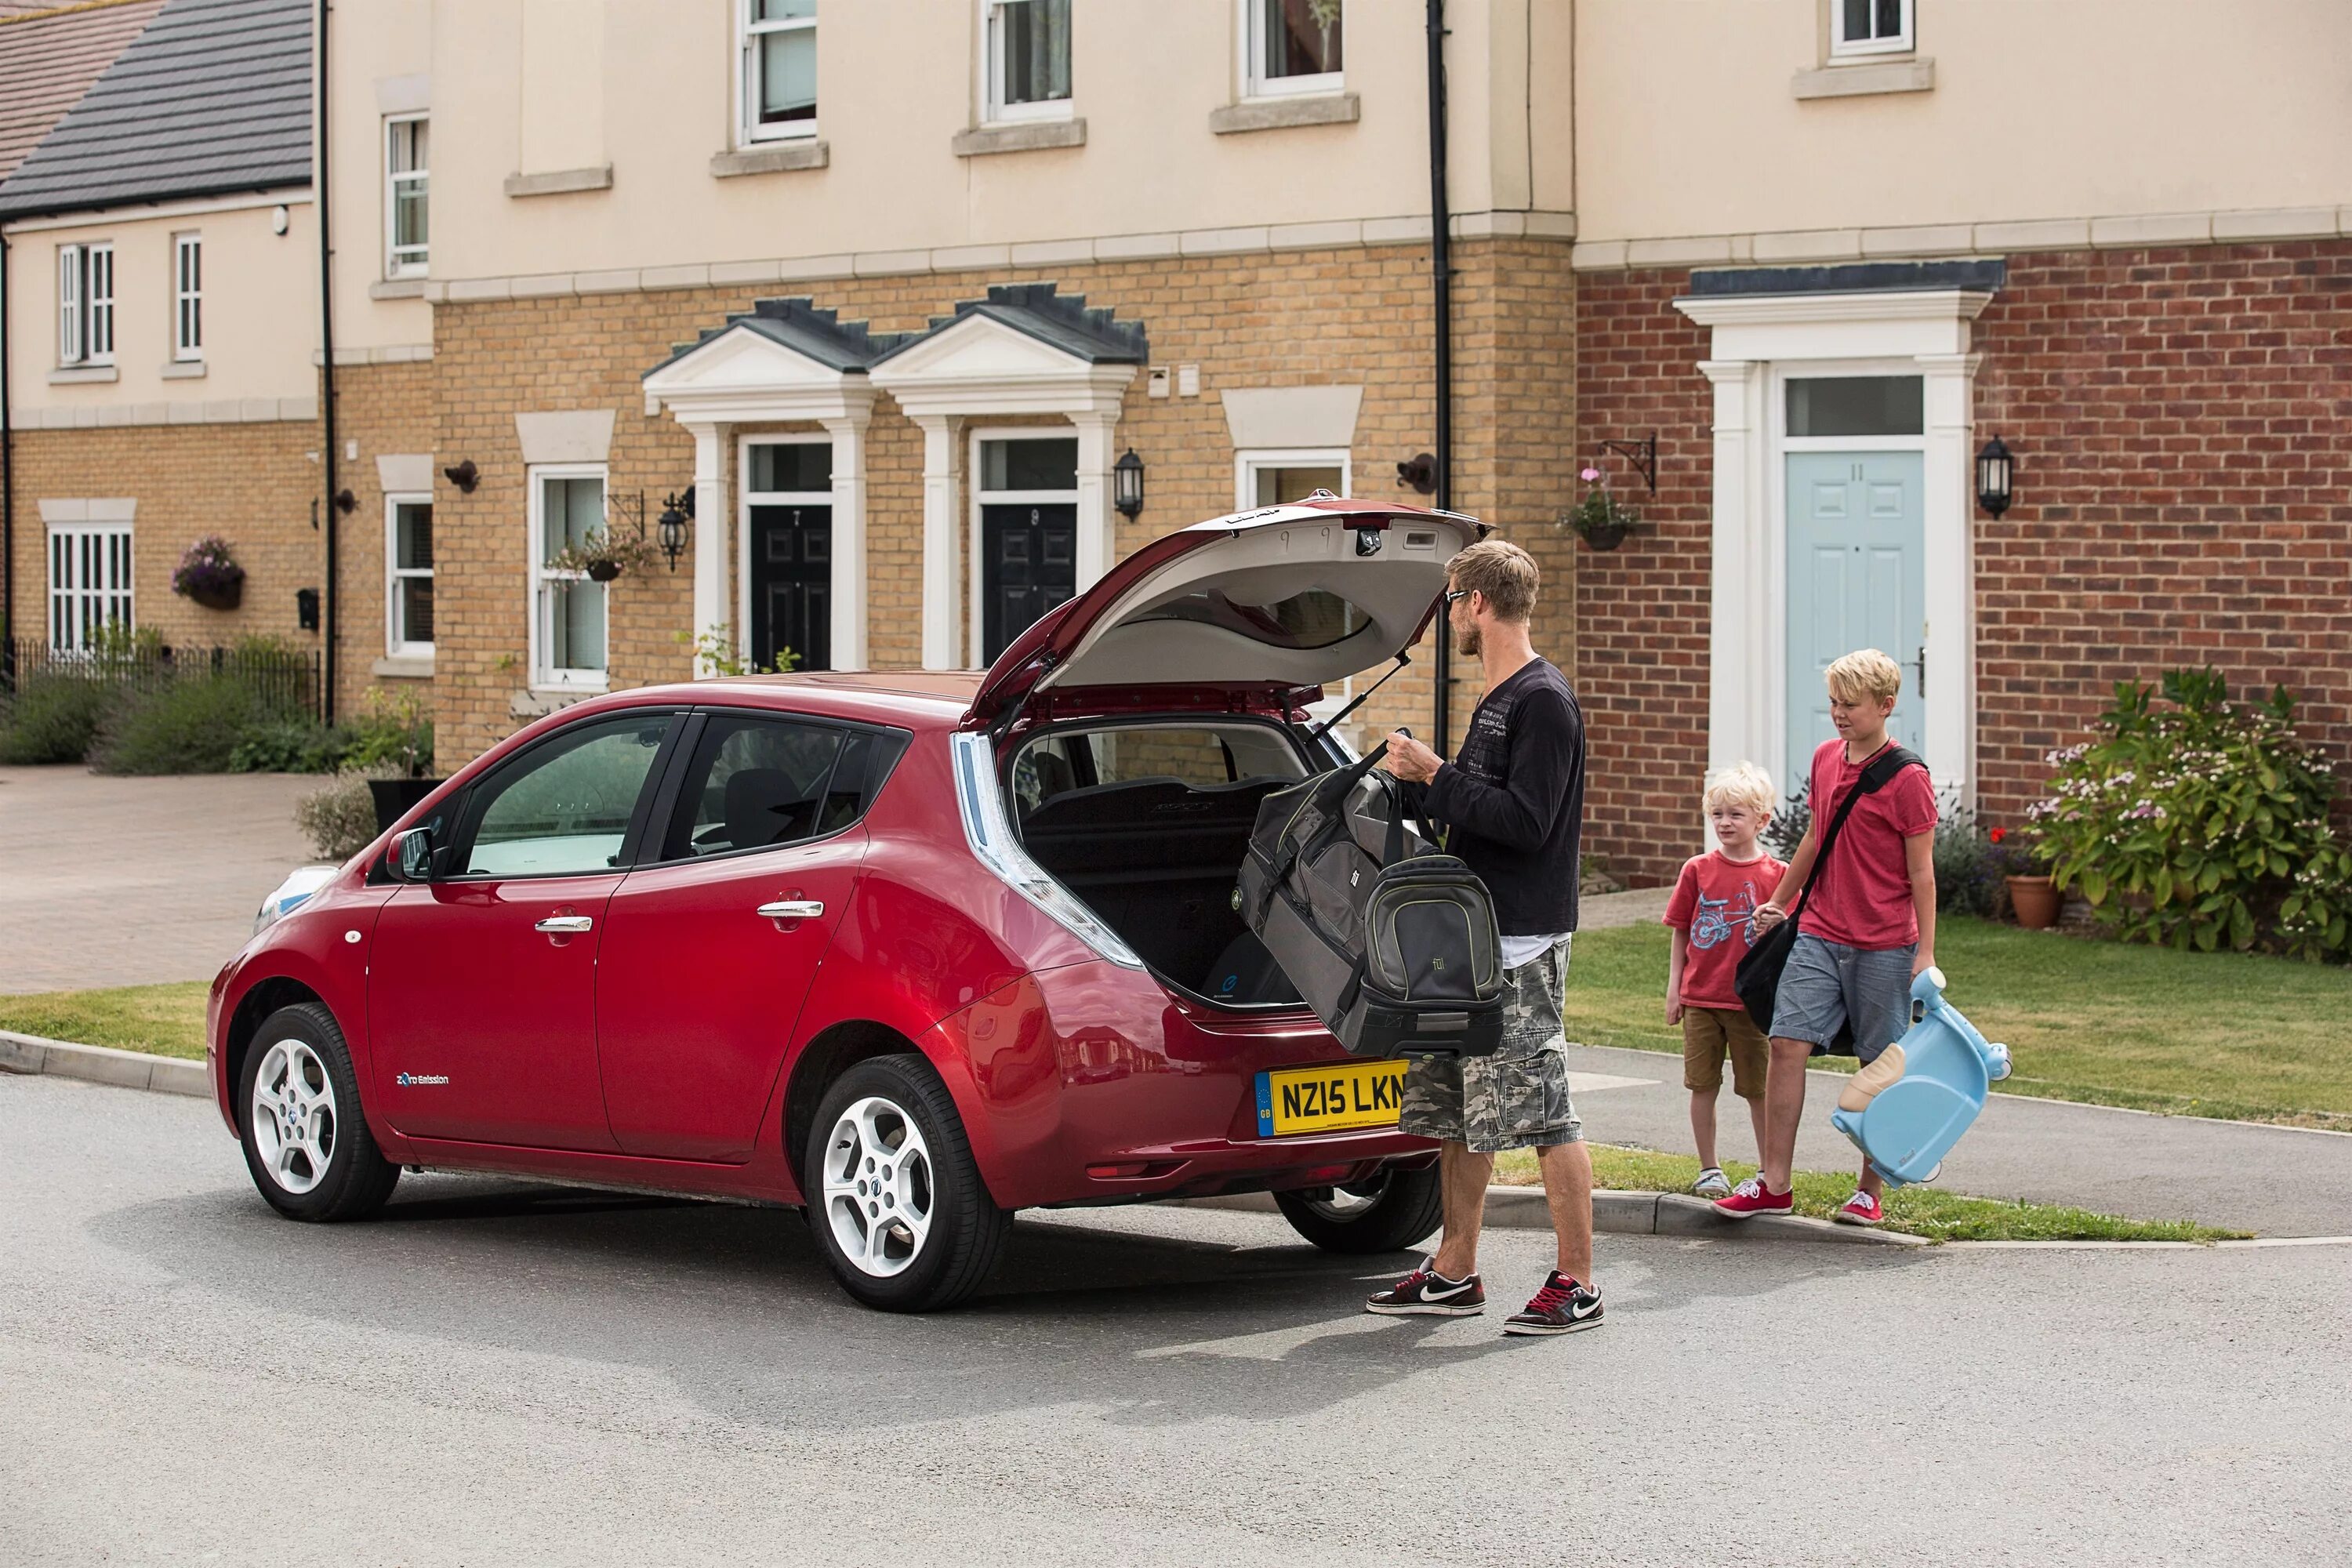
(561, 182)
(183, 370)
(403, 667)
(78, 375)
(1865, 81)
(773, 159)
(1019, 136)
(1282, 113)
(397, 288)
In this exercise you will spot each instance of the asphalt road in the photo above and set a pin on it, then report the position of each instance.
(501, 1373)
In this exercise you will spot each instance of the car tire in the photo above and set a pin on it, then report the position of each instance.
(893, 1196)
(306, 1143)
(1386, 1214)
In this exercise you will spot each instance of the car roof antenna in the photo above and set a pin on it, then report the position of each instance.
(1325, 728)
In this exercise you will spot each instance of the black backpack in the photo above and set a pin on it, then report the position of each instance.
(1396, 952)
(1758, 980)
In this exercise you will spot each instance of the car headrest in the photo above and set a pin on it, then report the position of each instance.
(765, 806)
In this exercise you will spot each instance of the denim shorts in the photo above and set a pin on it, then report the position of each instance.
(1828, 983)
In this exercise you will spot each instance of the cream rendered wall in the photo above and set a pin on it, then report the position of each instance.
(259, 310)
(2040, 110)
(896, 82)
(382, 41)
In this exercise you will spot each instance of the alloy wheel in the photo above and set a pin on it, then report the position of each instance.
(879, 1191)
(1349, 1203)
(294, 1115)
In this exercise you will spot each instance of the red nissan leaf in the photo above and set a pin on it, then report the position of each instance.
(912, 951)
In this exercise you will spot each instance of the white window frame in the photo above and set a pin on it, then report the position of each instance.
(85, 304)
(995, 110)
(394, 574)
(1257, 84)
(188, 297)
(395, 264)
(1843, 48)
(543, 676)
(748, 128)
(1248, 460)
(105, 550)
(976, 625)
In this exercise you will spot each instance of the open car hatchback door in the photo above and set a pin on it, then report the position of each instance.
(1286, 596)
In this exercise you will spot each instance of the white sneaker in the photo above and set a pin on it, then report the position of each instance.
(1712, 1184)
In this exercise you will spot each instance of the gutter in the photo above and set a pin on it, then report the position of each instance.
(1441, 277)
(329, 607)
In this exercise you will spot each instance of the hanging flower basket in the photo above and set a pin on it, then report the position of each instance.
(209, 574)
(603, 555)
(1599, 518)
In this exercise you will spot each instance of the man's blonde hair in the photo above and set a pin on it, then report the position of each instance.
(1741, 783)
(1506, 573)
(1865, 673)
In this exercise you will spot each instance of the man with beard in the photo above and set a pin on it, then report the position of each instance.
(1511, 805)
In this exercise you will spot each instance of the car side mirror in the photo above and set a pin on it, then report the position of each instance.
(416, 855)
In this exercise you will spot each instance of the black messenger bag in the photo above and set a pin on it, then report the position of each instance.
(1396, 952)
(1758, 980)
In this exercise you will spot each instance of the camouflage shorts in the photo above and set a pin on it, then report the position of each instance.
(1516, 1098)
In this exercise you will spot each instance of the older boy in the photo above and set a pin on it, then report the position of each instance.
(1712, 915)
(1869, 925)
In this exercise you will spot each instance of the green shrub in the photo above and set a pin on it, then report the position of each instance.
(290, 746)
(53, 718)
(340, 818)
(2201, 823)
(393, 732)
(191, 724)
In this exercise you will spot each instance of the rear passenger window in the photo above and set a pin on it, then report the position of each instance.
(761, 783)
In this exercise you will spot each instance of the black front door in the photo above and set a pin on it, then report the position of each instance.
(791, 584)
(1029, 557)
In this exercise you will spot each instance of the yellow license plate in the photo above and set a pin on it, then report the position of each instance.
(1329, 1099)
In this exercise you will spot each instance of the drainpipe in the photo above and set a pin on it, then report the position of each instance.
(7, 496)
(1441, 277)
(329, 607)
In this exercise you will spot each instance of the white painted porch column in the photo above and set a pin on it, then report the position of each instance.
(848, 540)
(1098, 542)
(1744, 693)
(942, 464)
(711, 535)
(1947, 648)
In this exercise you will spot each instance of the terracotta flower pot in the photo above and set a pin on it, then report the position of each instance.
(2036, 902)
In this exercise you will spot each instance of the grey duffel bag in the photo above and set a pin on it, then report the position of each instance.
(1397, 953)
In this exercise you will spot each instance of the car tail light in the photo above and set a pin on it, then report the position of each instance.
(990, 836)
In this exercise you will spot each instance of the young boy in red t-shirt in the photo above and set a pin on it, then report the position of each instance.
(1712, 915)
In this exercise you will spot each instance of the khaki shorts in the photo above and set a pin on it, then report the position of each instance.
(1710, 1034)
(1516, 1098)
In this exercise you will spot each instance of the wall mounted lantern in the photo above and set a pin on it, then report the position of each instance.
(1420, 471)
(676, 510)
(1127, 484)
(1995, 470)
(465, 476)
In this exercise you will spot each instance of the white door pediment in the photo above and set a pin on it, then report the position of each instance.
(742, 375)
(979, 365)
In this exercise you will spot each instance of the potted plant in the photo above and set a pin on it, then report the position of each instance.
(1600, 516)
(209, 574)
(603, 555)
(2033, 898)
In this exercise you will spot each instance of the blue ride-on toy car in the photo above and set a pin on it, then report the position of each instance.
(1906, 1109)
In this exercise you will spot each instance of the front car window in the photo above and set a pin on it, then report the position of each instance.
(761, 782)
(564, 809)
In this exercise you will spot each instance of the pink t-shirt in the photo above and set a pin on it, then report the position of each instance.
(1861, 896)
(1715, 901)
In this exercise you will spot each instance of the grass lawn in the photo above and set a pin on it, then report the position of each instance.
(2198, 1034)
(167, 1020)
(1915, 1210)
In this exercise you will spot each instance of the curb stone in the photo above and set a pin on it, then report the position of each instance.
(1631, 1214)
(104, 1064)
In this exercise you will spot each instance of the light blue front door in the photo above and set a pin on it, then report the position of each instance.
(1856, 580)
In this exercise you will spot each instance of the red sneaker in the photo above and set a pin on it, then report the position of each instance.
(1749, 1199)
(1859, 1209)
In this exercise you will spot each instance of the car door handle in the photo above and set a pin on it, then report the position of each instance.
(792, 909)
(565, 925)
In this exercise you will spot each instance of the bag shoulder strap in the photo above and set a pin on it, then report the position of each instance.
(1881, 768)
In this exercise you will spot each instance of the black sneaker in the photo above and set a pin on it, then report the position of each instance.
(1562, 1306)
(1426, 1292)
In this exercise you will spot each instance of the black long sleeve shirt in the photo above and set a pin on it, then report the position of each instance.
(1512, 802)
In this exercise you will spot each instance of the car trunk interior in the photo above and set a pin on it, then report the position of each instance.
(1156, 854)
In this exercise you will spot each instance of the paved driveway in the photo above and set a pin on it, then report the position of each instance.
(107, 881)
(501, 1373)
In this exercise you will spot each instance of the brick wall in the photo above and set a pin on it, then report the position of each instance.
(386, 410)
(1355, 316)
(2182, 421)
